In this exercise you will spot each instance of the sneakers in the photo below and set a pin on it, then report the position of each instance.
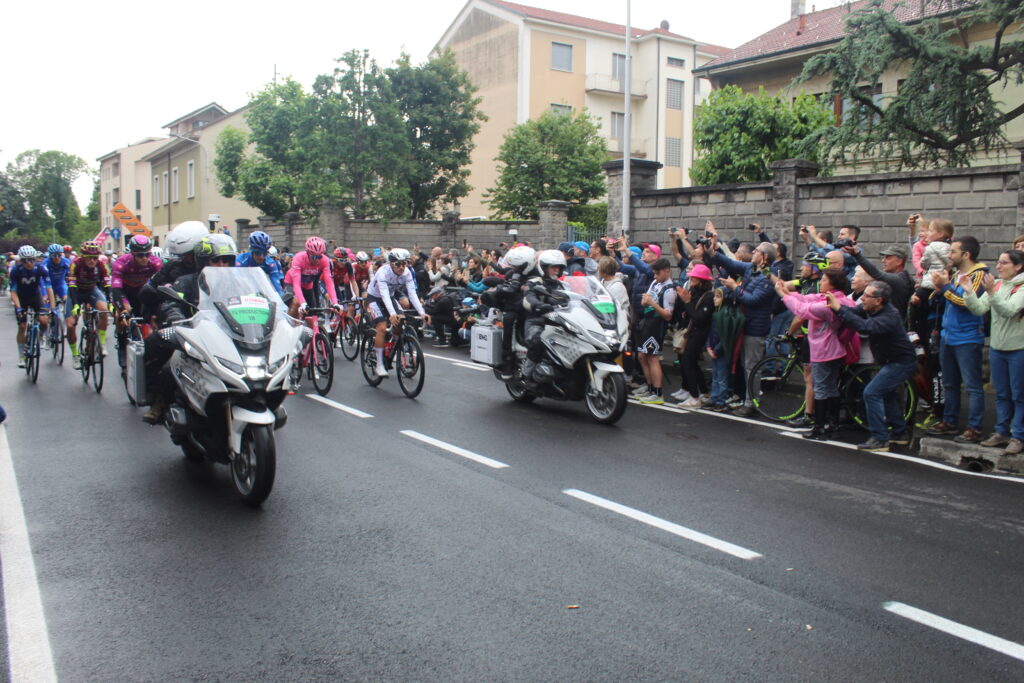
(103, 350)
(76, 362)
(681, 395)
(873, 445)
(942, 428)
(995, 441)
(21, 361)
(819, 432)
(718, 407)
(440, 345)
(382, 371)
(744, 411)
(653, 400)
(691, 403)
(1014, 447)
(901, 439)
(969, 435)
(734, 401)
(640, 392)
(803, 421)
(156, 412)
(929, 421)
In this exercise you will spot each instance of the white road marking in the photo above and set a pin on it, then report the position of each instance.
(1006, 647)
(28, 643)
(914, 459)
(340, 406)
(478, 368)
(476, 457)
(434, 355)
(665, 525)
(725, 416)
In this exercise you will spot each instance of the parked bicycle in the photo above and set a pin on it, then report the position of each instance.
(402, 351)
(778, 387)
(317, 357)
(91, 349)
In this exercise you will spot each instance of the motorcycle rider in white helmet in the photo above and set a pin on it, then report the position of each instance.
(544, 291)
(508, 296)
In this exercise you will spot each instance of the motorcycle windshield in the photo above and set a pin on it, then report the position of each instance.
(241, 301)
(590, 290)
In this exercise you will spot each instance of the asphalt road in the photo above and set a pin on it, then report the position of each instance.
(673, 546)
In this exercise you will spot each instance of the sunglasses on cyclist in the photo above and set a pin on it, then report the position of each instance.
(315, 257)
(400, 264)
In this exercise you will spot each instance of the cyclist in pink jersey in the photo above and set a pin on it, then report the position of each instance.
(308, 267)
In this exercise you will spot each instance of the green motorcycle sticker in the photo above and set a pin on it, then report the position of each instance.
(250, 310)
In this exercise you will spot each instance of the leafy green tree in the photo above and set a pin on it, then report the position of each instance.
(951, 104)
(88, 224)
(279, 173)
(441, 116)
(14, 215)
(555, 156)
(739, 134)
(45, 180)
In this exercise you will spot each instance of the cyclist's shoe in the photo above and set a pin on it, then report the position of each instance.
(155, 415)
(103, 350)
(382, 371)
(76, 362)
(21, 361)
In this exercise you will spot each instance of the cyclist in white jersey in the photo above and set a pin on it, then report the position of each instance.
(394, 280)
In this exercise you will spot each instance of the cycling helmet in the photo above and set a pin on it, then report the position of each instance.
(315, 246)
(272, 251)
(203, 251)
(223, 245)
(68, 249)
(550, 257)
(520, 258)
(27, 252)
(140, 244)
(339, 253)
(398, 255)
(260, 241)
(108, 253)
(55, 249)
(816, 261)
(90, 248)
(362, 257)
(158, 252)
(184, 238)
(469, 301)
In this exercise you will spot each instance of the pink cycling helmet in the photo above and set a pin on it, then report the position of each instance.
(315, 246)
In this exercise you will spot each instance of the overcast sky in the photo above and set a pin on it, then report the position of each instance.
(87, 78)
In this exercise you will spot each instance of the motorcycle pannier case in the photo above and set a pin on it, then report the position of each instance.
(136, 372)
(485, 344)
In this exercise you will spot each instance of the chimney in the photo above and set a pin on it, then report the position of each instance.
(796, 8)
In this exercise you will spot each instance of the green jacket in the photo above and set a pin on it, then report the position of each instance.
(1005, 303)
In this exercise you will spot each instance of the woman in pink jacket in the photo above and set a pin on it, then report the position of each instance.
(827, 351)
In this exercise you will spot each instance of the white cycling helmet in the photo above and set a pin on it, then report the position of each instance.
(158, 252)
(362, 257)
(521, 258)
(272, 251)
(184, 238)
(27, 251)
(549, 257)
(398, 255)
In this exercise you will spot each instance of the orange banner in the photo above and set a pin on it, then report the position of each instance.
(129, 222)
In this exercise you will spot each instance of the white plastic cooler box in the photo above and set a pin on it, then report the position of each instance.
(485, 344)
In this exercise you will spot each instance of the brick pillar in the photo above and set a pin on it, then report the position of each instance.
(553, 222)
(1020, 187)
(784, 196)
(290, 219)
(265, 222)
(448, 230)
(643, 176)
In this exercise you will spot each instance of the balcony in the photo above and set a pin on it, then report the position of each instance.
(605, 84)
(616, 146)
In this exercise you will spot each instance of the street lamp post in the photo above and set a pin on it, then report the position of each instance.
(53, 230)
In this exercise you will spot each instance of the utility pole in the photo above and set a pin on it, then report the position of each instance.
(628, 124)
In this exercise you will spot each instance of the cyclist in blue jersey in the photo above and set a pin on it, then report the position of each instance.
(30, 288)
(57, 267)
(258, 256)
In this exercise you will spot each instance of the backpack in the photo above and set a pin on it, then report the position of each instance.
(850, 340)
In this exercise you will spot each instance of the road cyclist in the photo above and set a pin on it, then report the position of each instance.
(259, 256)
(30, 290)
(87, 280)
(386, 285)
(129, 275)
(57, 267)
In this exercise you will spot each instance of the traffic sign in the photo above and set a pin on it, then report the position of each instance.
(116, 233)
(128, 220)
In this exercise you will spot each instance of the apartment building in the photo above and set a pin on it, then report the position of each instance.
(527, 60)
(181, 177)
(123, 178)
(775, 58)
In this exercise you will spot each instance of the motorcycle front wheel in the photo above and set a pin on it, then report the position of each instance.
(253, 469)
(606, 402)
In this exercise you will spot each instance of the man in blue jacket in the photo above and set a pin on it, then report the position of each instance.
(756, 296)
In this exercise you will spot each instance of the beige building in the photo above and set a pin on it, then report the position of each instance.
(527, 60)
(181, 177)
(124, 178)
(774, 59)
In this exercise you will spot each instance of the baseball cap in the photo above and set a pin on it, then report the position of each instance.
(565, 247)
(581, 245)
(656, 249)
(637, 251)
(895, 250)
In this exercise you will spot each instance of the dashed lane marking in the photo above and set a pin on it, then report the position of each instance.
(1006, 647)
(339, 406)
(462, 452)
(665, 525)
(28, 643)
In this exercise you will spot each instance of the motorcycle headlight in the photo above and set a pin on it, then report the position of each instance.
(274, 367)
(256, 369)
(230, 365)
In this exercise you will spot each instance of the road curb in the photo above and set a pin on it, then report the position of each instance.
(971, 454)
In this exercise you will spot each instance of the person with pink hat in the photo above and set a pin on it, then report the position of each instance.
(698, 303)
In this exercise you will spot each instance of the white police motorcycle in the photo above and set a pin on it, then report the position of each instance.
(582, 339)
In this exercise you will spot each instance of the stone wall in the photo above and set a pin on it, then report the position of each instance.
(986, 202)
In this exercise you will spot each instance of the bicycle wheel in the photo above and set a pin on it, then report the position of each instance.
(368, 361)
(97, 363)
(409, 365)
(350, 339)
(85, 354)
(32, 362)
(57, 339)
(776, 385)
(321, 369)
(853, 395)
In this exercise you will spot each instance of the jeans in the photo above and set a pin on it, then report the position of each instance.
(780, 325)
(1007, 369)
(880, 404)
(962, 363)
(753, 352)
(720, 380)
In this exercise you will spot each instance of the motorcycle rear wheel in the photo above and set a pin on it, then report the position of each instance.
(608, 402)
(254, 468)
(517, 390)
